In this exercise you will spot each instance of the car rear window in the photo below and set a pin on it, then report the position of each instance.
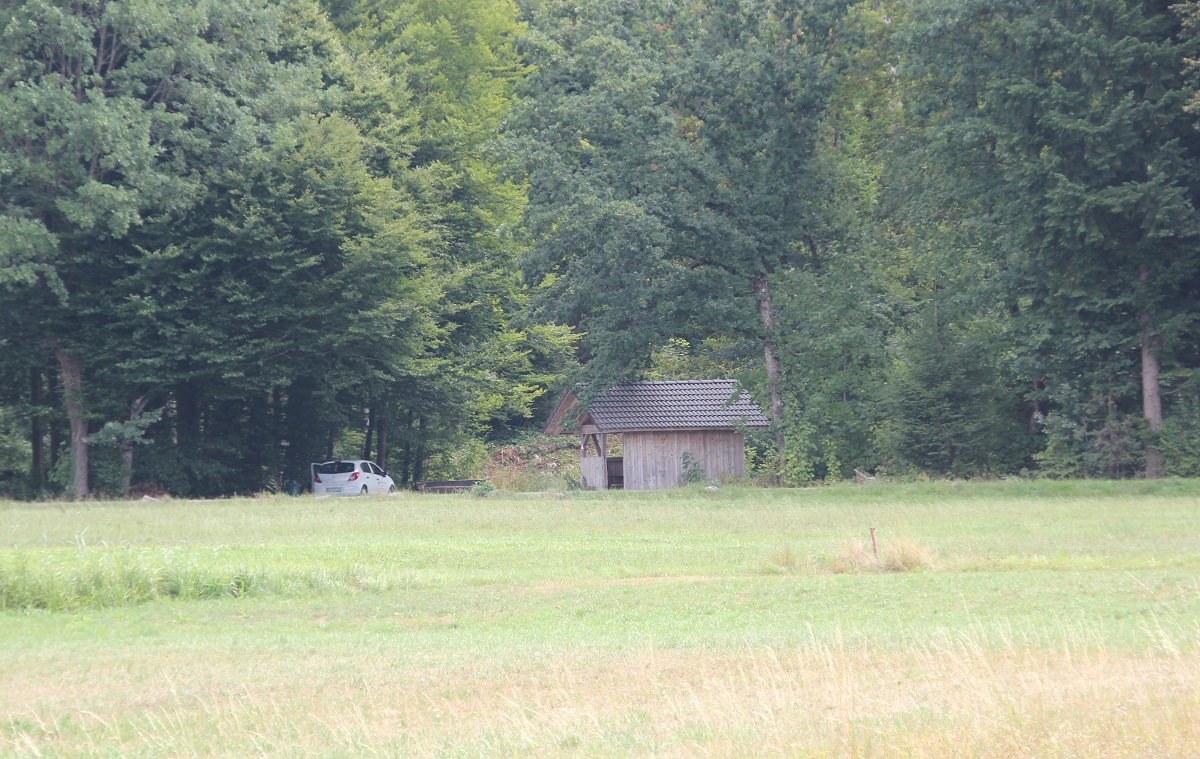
(336, 467)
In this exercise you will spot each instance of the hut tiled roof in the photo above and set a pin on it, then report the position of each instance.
(687, 405)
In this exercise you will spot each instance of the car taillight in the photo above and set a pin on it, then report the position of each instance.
(318, 480)
(353, 477)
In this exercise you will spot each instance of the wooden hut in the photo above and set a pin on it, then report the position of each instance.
(663, 426)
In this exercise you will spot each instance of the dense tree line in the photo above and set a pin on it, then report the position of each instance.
(968, 230)
(942, 236)
(242, 236)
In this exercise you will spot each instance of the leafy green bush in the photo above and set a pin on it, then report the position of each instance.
(953, 408)
(693, 470)
(1095, 438)
(14, 455)
(1179, 439)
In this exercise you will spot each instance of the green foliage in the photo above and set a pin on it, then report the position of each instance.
(837, 321)
(488, 370)
(304, 277)
(1059, 140)
(1092, 438)
(107, 472)
(269, 231)
(113, 117)
(131, 431)
(951, 408)
(483, 489)
(1189, 14)
(655, 196)
(692, 469)
(462, 461)
(118, 165)
(1179, 436)
(14, 455)
(799, 458)
(713, 358)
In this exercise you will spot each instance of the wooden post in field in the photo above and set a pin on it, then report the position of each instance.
(874, 547)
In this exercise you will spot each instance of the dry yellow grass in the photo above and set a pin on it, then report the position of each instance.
(906, 555)
(949, 697)
(854, 556)
(896, 555)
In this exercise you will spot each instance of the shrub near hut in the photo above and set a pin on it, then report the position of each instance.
(539, 463)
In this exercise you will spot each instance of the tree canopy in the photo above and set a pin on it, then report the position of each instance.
(957, 238)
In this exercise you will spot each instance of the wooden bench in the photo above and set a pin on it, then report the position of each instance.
(445, 486)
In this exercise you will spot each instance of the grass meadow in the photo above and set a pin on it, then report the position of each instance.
(1005, 619)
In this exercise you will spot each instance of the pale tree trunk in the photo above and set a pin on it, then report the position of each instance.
(135, 410)
(370, 414)
(1151, 398)
(774, 372)
(419, 450)
(381, 438)
(72, 374)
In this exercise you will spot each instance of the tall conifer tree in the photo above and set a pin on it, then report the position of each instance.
(1061, 127)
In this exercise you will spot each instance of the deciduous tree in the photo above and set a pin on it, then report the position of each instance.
(672, 153)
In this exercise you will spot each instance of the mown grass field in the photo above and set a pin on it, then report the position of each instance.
(1002, 619)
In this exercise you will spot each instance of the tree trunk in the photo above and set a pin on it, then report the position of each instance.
(37, 469)
(406, 460)
(278, 448)
(370, 429)
(774, 372)
(418, 463)
(258, 463)
(135, 410)
(55, 429)
(381, 439)
(72, 374)
(1151, 399)
(1035, 406)
(56, 443)
(187, 417)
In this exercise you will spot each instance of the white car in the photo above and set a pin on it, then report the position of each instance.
(355, 477)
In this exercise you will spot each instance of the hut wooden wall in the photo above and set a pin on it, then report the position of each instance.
(654, 460)
(594, 471)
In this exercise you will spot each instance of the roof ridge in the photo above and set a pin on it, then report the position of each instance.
(676, 382)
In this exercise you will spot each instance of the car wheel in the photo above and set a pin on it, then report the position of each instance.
(363, 491)
(391, 489)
